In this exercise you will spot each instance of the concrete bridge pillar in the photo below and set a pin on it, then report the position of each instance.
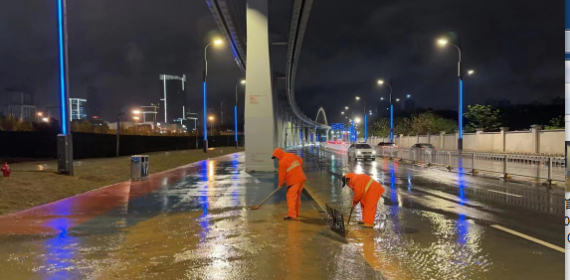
(259, 115)
(314, 136)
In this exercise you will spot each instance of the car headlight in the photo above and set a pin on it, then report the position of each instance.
(358, 153)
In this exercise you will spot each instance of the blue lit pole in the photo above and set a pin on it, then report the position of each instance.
(64, 140)
(216, 42)
(235, 113)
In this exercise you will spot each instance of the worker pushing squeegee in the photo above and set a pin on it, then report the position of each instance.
(367, 192)
(291, 173)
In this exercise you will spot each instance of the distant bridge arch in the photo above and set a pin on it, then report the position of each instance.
(322, 111)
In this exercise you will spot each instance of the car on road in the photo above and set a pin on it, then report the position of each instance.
(361, 151)
(423, 151)
(387, 149)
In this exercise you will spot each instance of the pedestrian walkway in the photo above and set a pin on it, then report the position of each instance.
(187, 223)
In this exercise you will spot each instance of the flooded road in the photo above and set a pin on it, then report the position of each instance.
(189, 223)
(192, 223)
(438, 225)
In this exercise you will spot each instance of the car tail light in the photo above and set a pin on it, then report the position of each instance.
(423, 149)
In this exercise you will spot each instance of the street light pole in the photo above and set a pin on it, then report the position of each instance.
(443, 42)
(235, 113)
(216, 42)
(381, 82)
(365, 119)
(119, 130)
(205, 142)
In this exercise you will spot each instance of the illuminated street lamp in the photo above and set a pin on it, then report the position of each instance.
(136, 112)
(211, 118)
(136, 118)
(365, 118)
(381, 82)
(235, 113)
(342, 113)
(442, 42)
(357, 120)
(45, 119)
(216, 42)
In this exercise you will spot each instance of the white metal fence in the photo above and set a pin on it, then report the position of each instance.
(538, 167)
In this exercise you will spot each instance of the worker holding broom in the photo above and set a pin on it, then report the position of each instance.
(367, 192)
(291, 172)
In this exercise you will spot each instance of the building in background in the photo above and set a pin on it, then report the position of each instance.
(52, 112)
(19, 105)
(192, 121)
(172, 98)
(94, 105)
(77, 108)
(149, 113)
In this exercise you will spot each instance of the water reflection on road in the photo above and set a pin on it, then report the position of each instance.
(433, 229)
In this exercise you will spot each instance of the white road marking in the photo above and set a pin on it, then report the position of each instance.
(515, 195)
(530, 238)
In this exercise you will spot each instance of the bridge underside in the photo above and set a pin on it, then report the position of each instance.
(274, 35)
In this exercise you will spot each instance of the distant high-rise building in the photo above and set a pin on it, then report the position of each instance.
(19, 105)
(94, 104)
(77, 108)
(149, 113)
(173, 98)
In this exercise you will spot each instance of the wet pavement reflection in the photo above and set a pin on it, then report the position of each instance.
(436, 225)
(189, 223)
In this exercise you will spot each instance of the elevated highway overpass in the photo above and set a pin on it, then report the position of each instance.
(266, 38)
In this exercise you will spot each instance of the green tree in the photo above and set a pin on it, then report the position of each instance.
(403, 126)
(555, 123)
(481, 116)
(430, 123)
(380, 128)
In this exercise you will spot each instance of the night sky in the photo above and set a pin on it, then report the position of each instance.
(121, 47)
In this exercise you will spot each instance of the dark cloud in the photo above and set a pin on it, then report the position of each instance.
(513, 45)
(122, 46)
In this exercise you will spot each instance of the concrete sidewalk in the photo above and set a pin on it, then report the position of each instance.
(36, 183)
(187, 223)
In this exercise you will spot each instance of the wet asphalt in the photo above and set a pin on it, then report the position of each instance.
(433, 224)
(192, 223)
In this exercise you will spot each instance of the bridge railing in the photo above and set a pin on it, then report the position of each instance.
(544, 168)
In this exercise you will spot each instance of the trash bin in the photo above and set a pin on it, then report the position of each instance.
(139, 167)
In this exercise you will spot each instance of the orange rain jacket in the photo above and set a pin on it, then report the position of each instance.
(359, 182)
(290, 168)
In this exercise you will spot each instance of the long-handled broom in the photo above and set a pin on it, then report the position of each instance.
(260, 204)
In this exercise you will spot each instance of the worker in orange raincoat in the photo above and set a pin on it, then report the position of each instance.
(291, 172)
(367, 192)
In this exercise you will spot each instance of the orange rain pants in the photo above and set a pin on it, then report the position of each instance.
(368, 193)
(294, 200)
(291, 173)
